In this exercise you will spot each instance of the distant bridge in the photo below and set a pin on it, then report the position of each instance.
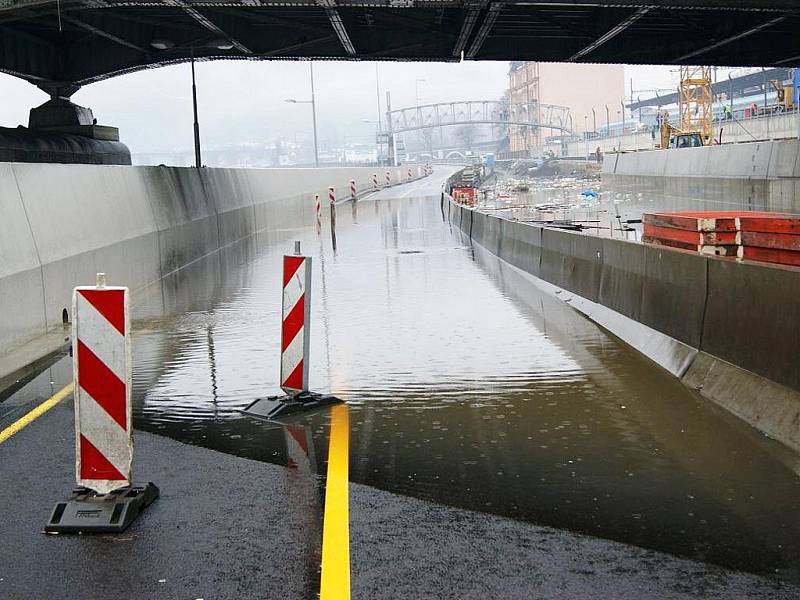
(477, 112)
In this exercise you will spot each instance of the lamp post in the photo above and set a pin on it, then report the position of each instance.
(198, 162)
(586, 137)
(378, 95)
(594, 122)
(313, 104)
(377, 133)
(608, 125)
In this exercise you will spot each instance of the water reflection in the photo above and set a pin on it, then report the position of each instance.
(467, 386)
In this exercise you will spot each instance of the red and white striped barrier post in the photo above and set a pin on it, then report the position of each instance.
(103, 415)
(294, 331)
(409, 173)
(295, 337)
(388, 178)
(353, 189)
(332, 201)
(318, 212)
(102, 372)
(375, 180)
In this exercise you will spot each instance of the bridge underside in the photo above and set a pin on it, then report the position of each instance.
(81, 41)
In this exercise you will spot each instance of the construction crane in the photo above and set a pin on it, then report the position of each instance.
(696, 116)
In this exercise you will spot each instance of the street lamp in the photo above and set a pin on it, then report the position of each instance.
(313, 104)
(586, 137)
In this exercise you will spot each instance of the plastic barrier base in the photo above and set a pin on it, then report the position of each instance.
(89, 512)
(280, 406)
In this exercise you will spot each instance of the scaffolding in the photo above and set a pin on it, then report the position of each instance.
(696, 102)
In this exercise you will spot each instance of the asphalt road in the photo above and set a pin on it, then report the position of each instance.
(229, 527)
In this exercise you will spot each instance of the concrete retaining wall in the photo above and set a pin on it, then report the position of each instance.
(754, 160)
(727, 329)
(64, 223)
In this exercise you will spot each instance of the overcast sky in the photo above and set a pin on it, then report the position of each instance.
(243, 101)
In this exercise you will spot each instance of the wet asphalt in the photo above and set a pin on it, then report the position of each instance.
(230, 528)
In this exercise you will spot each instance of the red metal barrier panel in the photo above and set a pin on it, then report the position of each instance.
(771, 255)
(786, 224)
(758, 236)
(712, 220)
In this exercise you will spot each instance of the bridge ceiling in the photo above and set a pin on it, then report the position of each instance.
(81, 41)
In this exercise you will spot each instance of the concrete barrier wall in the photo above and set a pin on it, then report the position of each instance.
(753, 318)
(753, 160)
(64, 223)
(20, 272)
(725, 328)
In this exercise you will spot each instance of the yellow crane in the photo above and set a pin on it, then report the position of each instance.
(695, 106)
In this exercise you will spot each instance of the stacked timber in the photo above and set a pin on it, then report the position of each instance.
(758, 236)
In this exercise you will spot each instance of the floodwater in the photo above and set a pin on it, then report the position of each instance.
(466, 386)
(614, 206)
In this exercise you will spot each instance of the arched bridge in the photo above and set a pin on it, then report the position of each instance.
(477, 112)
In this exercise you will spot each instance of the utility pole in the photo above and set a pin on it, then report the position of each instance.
(198, 162)
(392, 145)
(378, 96)
(314, 113)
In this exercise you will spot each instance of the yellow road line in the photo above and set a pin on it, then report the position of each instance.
(36, 412)
(335, 577)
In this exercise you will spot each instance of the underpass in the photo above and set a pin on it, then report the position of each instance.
(500, 444)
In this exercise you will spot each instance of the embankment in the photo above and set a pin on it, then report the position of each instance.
(64, 223)
(726, 329)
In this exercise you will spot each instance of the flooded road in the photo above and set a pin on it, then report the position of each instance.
(466, 386)
(613, 206)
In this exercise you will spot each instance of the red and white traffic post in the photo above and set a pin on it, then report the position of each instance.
(388, 178)
(409, 173)
(101, 349)
(375, 180)
(296, 307)
(353, 189)
(318, 211)
(102, 371)
(332, 201)
(295, 343)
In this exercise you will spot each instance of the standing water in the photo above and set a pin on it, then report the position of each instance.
(466, 386)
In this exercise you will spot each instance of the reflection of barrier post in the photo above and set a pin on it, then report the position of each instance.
(300, 449)
(388, 178)
(295, 343)
(375, 180)
(353, 189)
(103, 444)
(332, 201)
